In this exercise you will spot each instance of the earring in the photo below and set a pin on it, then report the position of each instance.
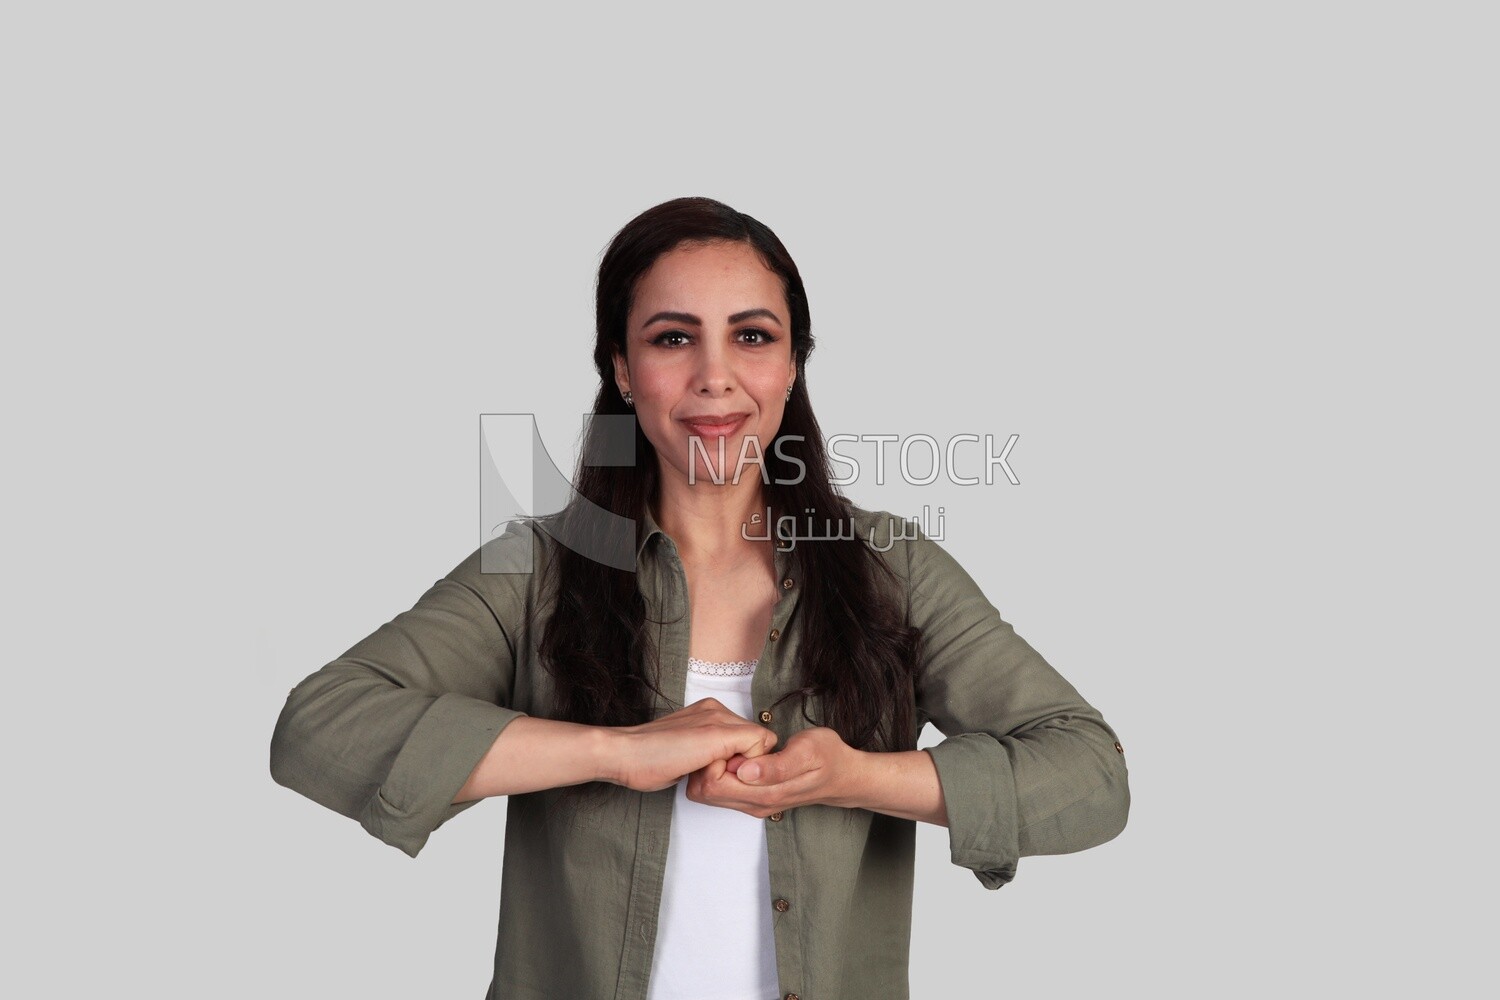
(628, 401)
(789, 391)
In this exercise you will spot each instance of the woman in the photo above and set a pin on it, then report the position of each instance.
(706, 724)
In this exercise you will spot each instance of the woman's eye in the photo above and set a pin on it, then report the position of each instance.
(677, 338)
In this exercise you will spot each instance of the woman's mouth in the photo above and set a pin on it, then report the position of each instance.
(716, 427)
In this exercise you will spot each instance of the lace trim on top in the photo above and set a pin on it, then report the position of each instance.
(736, 668)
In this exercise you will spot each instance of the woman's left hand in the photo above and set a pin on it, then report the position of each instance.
(815, 767)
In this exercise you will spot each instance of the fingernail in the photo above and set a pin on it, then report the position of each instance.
(749, 772)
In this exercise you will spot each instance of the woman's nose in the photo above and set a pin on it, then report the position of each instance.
(714, 375)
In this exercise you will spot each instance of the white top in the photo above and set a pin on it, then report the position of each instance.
(714, 939)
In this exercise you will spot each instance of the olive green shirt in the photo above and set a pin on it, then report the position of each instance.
(390, 731)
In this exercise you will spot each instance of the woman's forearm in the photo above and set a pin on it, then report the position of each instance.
(903, 784)
(531, 754)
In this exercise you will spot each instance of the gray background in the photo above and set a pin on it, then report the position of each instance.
(1228, 271)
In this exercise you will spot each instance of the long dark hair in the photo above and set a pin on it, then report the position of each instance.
(857, 656)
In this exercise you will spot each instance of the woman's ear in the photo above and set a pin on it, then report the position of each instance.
(622, 373)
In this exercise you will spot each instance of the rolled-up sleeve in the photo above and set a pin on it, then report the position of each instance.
(1027, 767)
(388, 732)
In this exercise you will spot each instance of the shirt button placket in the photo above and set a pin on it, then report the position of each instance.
(780, 904)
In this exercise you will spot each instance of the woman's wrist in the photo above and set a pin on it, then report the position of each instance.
(851, 790)
(607, 750)
(903, 784)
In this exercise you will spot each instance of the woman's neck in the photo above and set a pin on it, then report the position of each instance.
(710, 522)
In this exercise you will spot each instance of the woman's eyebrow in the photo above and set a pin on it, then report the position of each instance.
(691, 320)
(751, 313)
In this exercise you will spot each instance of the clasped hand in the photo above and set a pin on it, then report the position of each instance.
(728, 761)
(813, 768)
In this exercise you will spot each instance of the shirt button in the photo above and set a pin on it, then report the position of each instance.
(793, 996)
(1118, 748)
(782, 906)
(775, 634)
(776, 817)
(765, 715)
(786, 584)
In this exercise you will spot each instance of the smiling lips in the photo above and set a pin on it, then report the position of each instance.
(710, 426)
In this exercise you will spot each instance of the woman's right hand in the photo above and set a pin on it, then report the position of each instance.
(657, 754)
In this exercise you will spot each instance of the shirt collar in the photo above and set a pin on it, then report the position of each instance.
(786, 561)
(650, 528)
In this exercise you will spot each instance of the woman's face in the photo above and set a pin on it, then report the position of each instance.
(708, 339)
